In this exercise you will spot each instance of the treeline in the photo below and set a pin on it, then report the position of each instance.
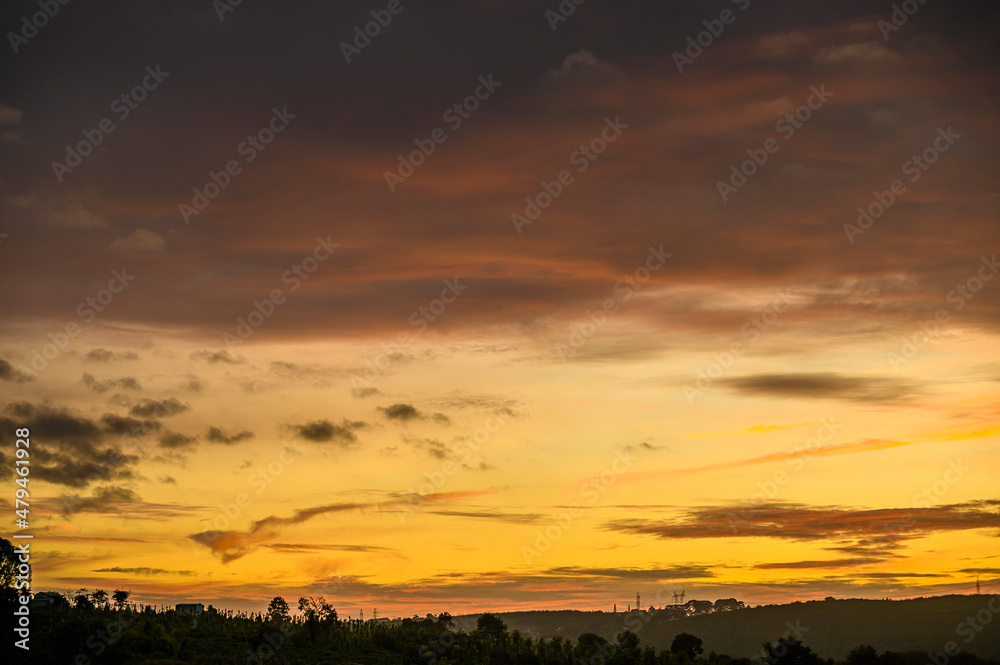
(95, 629)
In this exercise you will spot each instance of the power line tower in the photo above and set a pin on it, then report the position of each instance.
(638, 606)
(977, 585)
(683, 593)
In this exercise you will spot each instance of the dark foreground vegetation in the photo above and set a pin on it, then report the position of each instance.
(95, 629)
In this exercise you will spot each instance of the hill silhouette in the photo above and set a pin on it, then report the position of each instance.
(831, 627)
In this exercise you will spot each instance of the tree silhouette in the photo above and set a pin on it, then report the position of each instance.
(100, 598)
(277, 610)
(688, 645)
(82, 600)
(792, 652)
(863, 654)
(8, 572)
(315, 610)
(492, 625)
(120, 597)
(627, 640)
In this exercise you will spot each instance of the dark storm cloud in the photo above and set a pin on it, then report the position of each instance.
(353, 120)
(324, 431)
(824, 385)
(77, 451)
(217, 435)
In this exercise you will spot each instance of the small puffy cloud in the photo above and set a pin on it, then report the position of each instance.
(101, 386)
(863, 52)
(582, 65)
(106, 356)
(10, 115)
(8, 373)
(123, 426)
(193, 385)
(148, 408)
(175, 441)
(215, 357)
(217, 435)
(362, 393)
(324, 431)
(141, 240)
(402, 412)
(77, 217)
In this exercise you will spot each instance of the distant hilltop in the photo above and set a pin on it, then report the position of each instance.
(830, 627)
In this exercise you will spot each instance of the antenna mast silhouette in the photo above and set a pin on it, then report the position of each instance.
(977, 585)
(638, 606)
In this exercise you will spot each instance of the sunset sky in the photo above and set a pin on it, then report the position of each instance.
(267, 345)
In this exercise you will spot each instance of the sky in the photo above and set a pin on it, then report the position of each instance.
(490, 305)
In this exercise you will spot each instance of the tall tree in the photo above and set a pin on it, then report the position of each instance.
(277, 610)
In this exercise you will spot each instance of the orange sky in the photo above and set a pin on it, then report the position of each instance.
(414, 400)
